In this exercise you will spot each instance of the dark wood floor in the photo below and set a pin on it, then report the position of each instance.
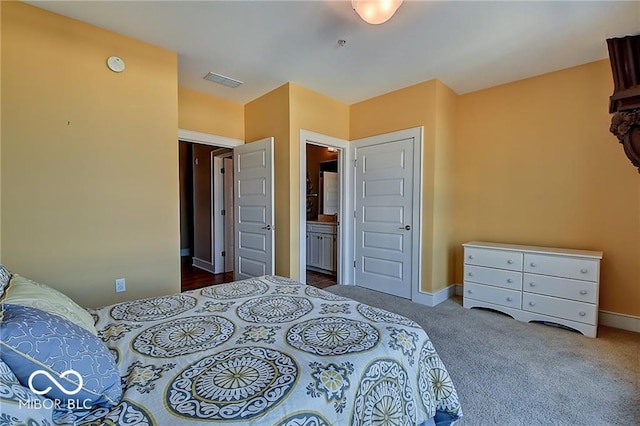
(320, 280)
(193, 278)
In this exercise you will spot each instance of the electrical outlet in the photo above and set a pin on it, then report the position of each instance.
(120, 285)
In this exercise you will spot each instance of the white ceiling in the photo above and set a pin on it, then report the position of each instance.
(467, 45)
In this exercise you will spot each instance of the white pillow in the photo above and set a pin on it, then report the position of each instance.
(24, 292)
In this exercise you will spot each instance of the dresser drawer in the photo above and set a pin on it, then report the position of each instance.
(560, 308)
(499, 296)
(583, 291)
(493, 258)
(495, 277)
(561, 266)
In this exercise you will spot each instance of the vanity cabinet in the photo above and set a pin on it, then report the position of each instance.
(532, 283)
(321, 247)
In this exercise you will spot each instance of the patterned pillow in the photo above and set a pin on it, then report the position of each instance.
(19, 405)
(24, 292)
(35, 341)
(5, 276)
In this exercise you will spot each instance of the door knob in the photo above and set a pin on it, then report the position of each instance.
(406, 227)
(268, 227)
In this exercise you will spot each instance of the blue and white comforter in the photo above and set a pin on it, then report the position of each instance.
(270, 351)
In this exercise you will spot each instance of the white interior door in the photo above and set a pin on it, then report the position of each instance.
(384, 215)
(253, 210)
(218, 213)
(228, 218)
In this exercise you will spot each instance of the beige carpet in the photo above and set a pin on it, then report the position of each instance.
(511, 373)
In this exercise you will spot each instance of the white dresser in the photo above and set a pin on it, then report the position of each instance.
(534, 283)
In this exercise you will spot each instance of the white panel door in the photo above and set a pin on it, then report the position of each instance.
(384, 223)
(253, 210)
(228, 218)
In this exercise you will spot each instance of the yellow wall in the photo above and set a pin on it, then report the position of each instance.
(314, 112)
(536, 164)
(431, 105)
(89, 158)
(318, 113)
(443, 225)
(264, 117)
(208, 114)
(281, 113)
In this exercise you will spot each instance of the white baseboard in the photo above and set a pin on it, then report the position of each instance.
(459, 289)
(621, 321)
(433, 299)
(606, 318)
(203, 264)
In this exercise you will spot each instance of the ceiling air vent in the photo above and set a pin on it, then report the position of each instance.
(221, 79)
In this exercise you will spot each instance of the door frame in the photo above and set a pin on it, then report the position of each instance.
(209, 139)
(344, 247)
(417, 133)
(218, 197)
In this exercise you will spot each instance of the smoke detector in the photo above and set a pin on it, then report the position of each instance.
(221, 79)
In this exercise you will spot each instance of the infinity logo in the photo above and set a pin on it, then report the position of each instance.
(55, 382)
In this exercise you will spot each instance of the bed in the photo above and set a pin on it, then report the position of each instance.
(264, 351)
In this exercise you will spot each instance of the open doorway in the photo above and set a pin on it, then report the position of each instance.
(324, 217)
(322, 208)
(205, 232)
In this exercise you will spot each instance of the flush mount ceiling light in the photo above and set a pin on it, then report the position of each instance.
(375, 11)
(221, 79)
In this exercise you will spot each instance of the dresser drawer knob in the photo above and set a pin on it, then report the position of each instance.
(583, 292)
(470, 291)
(533, 264)
(509, 299)
(470, 256)
(584, 270)
(510, 262)
(582, 313)
(470, 274)
(532, 284)
(532, 303)
(509, 280)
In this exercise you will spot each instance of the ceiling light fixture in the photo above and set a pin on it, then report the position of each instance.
(375, 11)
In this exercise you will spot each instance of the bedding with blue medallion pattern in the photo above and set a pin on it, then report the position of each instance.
(268, 351)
